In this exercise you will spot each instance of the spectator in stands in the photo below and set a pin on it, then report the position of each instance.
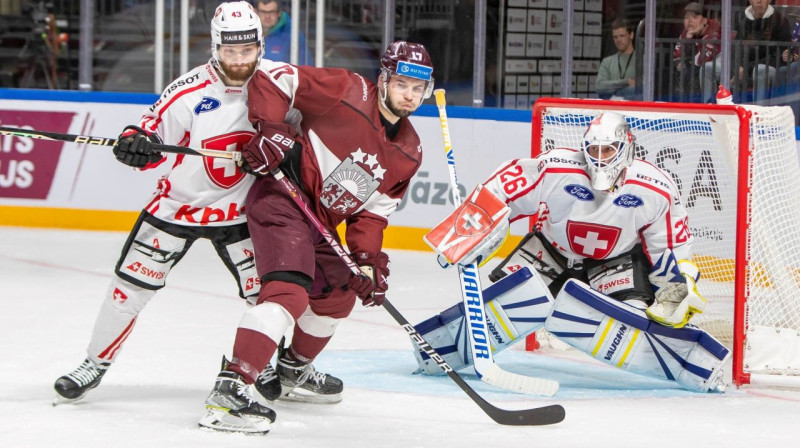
(616, 78)
(701, 54)
(756, 29)
(789, 73)
(277, 29)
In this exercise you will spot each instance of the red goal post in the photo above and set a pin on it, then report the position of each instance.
(738, 172)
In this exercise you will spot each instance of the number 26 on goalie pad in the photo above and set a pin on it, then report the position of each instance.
(474, 231)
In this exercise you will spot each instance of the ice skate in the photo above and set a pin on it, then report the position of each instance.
(74, 385)
(230, 407)
(301, 382)
(267, 384)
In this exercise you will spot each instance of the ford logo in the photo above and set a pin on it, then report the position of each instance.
(206, 105)
(580, 192)
(628, 201)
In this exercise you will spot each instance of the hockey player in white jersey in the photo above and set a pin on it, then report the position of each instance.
(199, 197)
(607, 268)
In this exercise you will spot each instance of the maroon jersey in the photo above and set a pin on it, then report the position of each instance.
(349, 167)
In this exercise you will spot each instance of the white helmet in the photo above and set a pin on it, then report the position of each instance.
(608, 129)
(235, 23)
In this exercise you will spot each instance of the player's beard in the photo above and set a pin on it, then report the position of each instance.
(238, 72)
(397, 112)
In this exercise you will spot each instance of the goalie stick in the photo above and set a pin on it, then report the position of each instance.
(474, 306)
(103, 141)
(545, 415)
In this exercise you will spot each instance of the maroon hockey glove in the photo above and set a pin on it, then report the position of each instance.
(371, 286)
(264, 152)
(135, 147)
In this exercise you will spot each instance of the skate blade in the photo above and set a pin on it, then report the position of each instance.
(221, 420)
(303, 396)
(59, 400)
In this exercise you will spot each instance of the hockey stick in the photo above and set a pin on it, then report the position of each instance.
(472, 296)
(103, 141)
(546, 415)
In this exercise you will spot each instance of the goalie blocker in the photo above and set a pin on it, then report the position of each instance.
(612, 332)
(474, 231)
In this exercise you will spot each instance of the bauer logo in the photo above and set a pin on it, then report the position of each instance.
(206, 105)
(28, 166)
(580, 192)
(628, 201)
(414, 70)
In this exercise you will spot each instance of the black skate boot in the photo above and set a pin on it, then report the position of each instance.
(267, 384)
(74, 385)
(302, 382)
(230, 407)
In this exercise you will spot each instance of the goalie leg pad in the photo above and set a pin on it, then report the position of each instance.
(622, 336)
(515, 307)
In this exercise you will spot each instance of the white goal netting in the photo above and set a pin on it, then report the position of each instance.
(699, 147)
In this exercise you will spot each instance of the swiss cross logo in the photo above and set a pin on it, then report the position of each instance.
(248, 253)
(592, 240)
(223, 172)
(120, 296)
(134, 267)
(252, 282)
(155, 244)
(472, 220)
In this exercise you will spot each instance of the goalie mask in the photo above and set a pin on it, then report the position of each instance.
(608, 148)
(235, 24)
(406, 59)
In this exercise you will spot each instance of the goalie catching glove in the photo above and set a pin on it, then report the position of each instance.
(474, 231)
(135, 147)
(677, 298)
(265, 151)
(372, 284)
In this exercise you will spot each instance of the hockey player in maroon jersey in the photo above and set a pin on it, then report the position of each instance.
(199, 198)
(353, 162)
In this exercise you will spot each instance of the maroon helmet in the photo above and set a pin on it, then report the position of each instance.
(408, 59)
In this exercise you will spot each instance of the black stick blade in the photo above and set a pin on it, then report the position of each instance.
(546, 415)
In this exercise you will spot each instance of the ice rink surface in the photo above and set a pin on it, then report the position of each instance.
(52, 283)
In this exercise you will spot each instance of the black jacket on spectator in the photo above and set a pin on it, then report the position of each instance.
(773, 27)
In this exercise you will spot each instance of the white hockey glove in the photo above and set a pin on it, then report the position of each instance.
(473, 232)
(677, 298)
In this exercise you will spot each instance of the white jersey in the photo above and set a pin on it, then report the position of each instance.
(584, 223)
(199, 111)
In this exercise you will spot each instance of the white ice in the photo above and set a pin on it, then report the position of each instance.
(52, 282)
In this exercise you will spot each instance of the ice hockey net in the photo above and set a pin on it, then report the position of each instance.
(738, 173)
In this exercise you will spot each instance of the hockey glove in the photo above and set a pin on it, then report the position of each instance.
(370, 286)
(264, 152)
(677, 298)
(135, 147)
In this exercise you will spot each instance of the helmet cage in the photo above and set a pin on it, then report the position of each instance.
(608, 130)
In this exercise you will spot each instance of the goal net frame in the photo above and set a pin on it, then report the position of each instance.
(742, 267)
